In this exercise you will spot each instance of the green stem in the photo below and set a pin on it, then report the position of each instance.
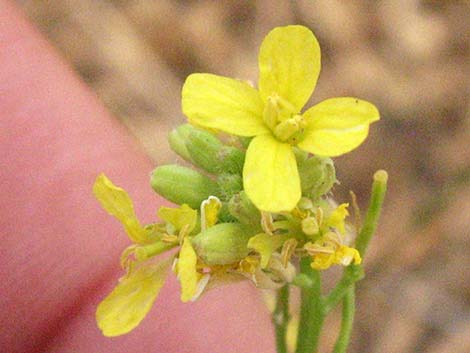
(312, 313)
(345, 288)
(351, 275)
(281, 318)
(379, 187)
(346, 322)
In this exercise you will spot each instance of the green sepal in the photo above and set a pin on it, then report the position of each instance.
(317, 176)
(231, 160)
(244, 210)
(229, 184)
(183, 185)
(209, 153)
(203, 147)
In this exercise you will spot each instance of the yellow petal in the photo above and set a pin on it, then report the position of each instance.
(223, 103)
(346, 255)
(126, 306)
(209, 211)
(117, 203)
(265, 245)
(270, 175)
(337, 217)
(187, 272)
(289, 64)
(337, 126)
(322, 261)
(179, 217)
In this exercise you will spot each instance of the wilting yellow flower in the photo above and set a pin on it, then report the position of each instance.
(330, 250)
(289, 64)
(126, 306)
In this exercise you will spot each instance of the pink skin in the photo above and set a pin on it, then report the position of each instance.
(59, 250)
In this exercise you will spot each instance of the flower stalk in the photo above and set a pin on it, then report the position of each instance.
(312, 313)
(281, 318)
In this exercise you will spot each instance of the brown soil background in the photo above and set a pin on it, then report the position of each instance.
(409, 57)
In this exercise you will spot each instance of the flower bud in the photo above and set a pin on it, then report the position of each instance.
(231, 160)
(300, 155)
(229, 184)
(222, 244)
(177, 140)
(183, 185)
(317, 176)
(241, 207)
(207, 152)
(203, 148)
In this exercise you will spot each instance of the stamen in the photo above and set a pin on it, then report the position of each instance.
(287, 128)
(169, 238)
(267, 223)
(271, 113)
(319, 215)
(287, 251)
(314, 249)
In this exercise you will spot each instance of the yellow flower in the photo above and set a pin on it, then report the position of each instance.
(330, 250)
(327, 233)
(289, 64)
(127, 305)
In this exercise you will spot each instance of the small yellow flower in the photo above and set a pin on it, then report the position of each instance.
(327, 233)
(127, 305)
(330, 250)
(289, 64)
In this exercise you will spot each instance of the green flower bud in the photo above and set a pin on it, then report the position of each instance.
(207, 152)
(223, 244)
(177, 140)
(203, 148)
(241, 207)
(183, 185)
(229, 184)
(317, 176)
(300, 155)
(231, 160)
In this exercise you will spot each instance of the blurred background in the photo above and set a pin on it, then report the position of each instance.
(409, 57)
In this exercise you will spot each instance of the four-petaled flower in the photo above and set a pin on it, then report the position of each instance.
(289, 65)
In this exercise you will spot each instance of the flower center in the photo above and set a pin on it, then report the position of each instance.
(283, 120)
